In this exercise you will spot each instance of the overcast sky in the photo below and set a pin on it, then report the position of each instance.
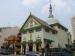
(15, 12)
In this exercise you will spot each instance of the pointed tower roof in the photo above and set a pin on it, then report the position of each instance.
(51, 19)
(50, 10)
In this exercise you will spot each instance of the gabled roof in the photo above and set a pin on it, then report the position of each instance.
(39, 20)
(59, 24)
(52, 22)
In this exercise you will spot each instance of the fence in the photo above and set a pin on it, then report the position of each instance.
(57, 54)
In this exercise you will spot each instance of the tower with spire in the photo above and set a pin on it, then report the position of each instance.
(51, 19)
(50, 11)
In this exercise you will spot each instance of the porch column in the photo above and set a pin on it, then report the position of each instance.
(21, 49)
(27, 48)
(34, 47)
(15, 51)
(34, 40)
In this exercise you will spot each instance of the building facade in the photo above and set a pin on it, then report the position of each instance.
(73, 28)
(37, 34)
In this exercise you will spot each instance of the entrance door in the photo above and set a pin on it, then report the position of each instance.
(30, 48)
(37, 47)
(47, 46)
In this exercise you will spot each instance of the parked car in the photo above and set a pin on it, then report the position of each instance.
(32, 54)
(4, 51)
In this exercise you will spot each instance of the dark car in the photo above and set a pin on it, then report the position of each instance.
(4, 51)
(32, 54)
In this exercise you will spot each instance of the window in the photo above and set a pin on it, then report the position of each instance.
(30, 31)
(25, 32)
(59, 26)
(54, 32)
(47, 30)
(18, 46)
(39, 29)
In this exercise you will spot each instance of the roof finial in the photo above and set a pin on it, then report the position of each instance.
(50, 10)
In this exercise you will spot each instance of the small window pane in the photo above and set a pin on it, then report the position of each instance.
(47, 30)
(24, 32)
(53, 32)
(30, 31)
(39, 29)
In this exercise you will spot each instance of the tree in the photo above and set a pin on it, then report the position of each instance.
(38, 43)
(30, 42)
(24, 45)
(38, 40)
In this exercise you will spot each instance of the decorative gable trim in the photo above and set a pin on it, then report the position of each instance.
(24, 23)
(24, 30)
(27, 20)
(43, 23)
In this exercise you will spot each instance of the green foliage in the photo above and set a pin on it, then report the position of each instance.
(38, 41)
(30, 42)
(24, 43)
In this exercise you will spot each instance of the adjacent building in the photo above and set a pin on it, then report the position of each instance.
(73, 28)
(6, 32)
